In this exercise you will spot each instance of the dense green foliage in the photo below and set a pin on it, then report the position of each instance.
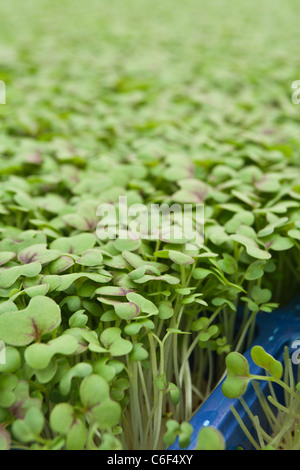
(114, 344)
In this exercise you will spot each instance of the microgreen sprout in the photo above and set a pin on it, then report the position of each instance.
(281, 431)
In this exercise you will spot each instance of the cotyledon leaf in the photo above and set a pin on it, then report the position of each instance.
(94, 395)
(76, 244)
(81, 370)
(22, 327)
(8, 276)
(39, 253)
(238, 375)
(32, 291)
(113, 291)
(176, 256)
(6, 256)
(67, 279)
(92, 257)
(112, 340)
(165, 277)
(144, 304)
(265, 360)
(38, 355)
(251, 246)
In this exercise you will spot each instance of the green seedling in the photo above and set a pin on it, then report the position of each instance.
(282, 418)
(238, 375)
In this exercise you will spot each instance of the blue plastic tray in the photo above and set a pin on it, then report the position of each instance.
(275, 330)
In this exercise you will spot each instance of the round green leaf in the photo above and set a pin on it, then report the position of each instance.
(210, 438)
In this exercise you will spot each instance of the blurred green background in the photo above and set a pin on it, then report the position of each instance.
(135, 75)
